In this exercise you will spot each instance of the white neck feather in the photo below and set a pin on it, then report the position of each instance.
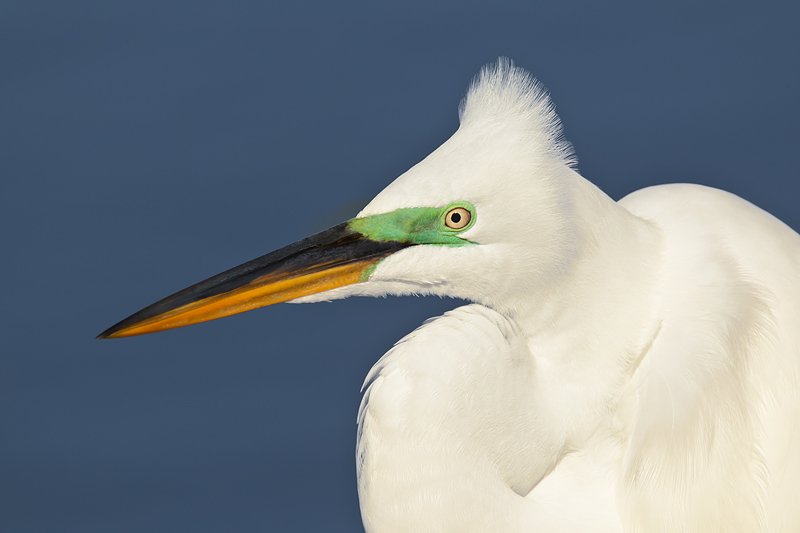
(467, 414)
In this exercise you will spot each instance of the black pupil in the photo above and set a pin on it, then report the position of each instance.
(455, 218)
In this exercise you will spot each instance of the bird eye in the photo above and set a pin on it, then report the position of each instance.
(457, 218)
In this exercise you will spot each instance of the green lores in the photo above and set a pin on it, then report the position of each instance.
(415, 225)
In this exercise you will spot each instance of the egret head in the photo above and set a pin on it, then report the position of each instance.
(486, 213)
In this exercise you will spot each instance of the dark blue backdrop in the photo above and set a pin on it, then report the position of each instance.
(145, 145)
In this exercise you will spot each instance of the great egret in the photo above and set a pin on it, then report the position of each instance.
(624, 366)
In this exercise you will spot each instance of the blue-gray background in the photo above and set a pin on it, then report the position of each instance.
(146, 145)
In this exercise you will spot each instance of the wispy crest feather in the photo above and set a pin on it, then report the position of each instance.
(502, 94)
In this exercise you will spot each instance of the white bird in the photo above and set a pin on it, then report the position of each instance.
(624, 366)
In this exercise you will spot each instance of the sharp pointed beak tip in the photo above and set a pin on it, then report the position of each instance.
(109, 333)
(331, 259)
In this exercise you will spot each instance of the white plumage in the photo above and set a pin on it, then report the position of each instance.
(625, 366)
